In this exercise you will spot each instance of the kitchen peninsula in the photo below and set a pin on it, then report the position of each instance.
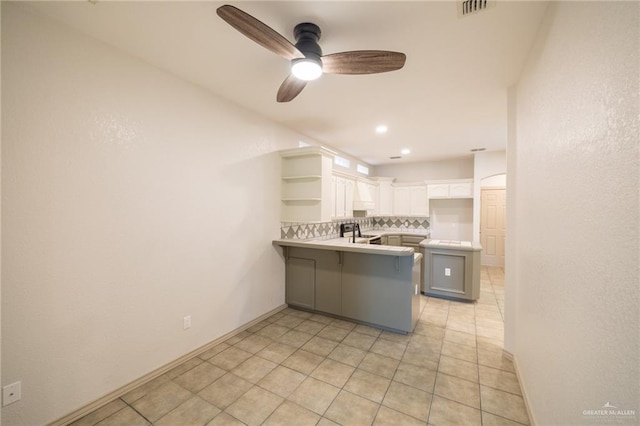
(377, 285)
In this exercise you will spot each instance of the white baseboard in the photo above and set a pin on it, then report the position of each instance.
(527, 404)
(86, 409)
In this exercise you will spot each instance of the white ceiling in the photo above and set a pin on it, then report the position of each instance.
(449, 98)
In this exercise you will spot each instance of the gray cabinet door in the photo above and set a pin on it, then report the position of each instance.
(447, 273)
(328, 282)
(377, 290)
(451, 273)
(301, 282)
(394, 240)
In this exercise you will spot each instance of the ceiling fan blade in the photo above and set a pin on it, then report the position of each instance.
(259, 32)
(362, 62)
(290, 88)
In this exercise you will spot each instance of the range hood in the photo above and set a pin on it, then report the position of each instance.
(362, 198)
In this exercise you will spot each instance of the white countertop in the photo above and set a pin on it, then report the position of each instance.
(451, 245)
(342, 244)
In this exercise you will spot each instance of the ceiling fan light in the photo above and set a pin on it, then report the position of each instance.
(306, 69)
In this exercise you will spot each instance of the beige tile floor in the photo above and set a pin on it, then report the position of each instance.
(296, 368)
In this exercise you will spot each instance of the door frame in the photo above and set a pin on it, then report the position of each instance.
(482, 188)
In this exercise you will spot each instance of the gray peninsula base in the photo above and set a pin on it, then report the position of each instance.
(377, 289)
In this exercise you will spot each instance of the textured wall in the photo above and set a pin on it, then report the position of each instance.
(129, 200)
(461, 168)
(451, 219)
(576, 293)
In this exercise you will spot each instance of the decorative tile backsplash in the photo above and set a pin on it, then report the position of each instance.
(329, 230)
(403, 223)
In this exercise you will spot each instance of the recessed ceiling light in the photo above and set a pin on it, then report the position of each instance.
(405, 151)
(381, 129)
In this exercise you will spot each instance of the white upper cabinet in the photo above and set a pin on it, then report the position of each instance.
(438, 190)
(313, 192)
(410, 200)
(384, 204)
(461, 190)
(419, 203)
(375, 197)
(339, 201)
(343, 196)
(349, 187)
(458, 188)
(401, 201)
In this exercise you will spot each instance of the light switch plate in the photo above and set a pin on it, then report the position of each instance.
(11, 393)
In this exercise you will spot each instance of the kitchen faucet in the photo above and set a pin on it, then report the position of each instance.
(345, 228)
(356, 227)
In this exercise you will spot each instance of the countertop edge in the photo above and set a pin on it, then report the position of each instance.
(350, 247)
(436, 244)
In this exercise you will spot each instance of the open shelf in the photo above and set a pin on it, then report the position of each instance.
(306, 179)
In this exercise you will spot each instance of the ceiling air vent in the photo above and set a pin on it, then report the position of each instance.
(397, 157)
(471, 7)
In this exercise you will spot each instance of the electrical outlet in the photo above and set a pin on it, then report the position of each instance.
(11, 393)
(447, 272)
(186, 322)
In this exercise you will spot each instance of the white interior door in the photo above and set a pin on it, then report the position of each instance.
(493, 206)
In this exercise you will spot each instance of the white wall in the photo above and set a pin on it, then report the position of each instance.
(575, 287)
(0, 219)
(486, 164)
(494, 181)
(461, 168)
(451, 219)
(129, 200)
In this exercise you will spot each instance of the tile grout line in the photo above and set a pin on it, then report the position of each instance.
(139, 413)
(478, 361)
(435, 381)
(430, 326)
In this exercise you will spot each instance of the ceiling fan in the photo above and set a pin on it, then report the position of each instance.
(307, 60)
